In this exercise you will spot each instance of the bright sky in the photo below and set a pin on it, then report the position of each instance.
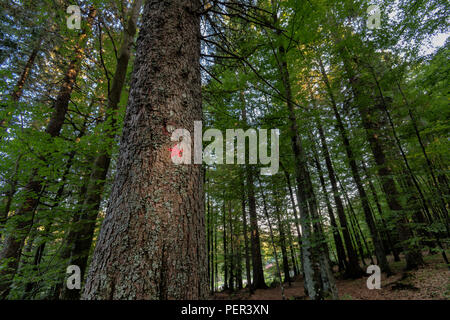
(437, 41)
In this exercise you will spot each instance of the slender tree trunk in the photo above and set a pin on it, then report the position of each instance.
(258, 273)
(306, 197)
(232, 257)
(342, 263)
(225, 251)
(17, 92)
(39, 253)
(353, 269)
(294, 206)
(275, 254)
(287, 277)
(208, 235)
(10, 195)
(211, 245)
(291, 247)
(380, 212)
(18, 89)
(430, 166)
(238, 264)
(246, 246)
(379, 249)
(216, 265)
(412, 253)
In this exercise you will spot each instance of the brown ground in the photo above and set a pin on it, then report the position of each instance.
(432, 282)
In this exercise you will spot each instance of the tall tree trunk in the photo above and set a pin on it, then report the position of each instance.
(380, 212)
(291, 247)
(284, 255)
(18, 88)
(353, 269)
(232, 257)
(154, 226)
(255, 245)
(238, 264)
(275, 254)
(211, 228)
(246, 246)
(355, 227)
(10, 195)
(379, 249)
(310, 258)
(439, 186)
(225, 251)
(412, 253)
(342, 263)
(294, 209)
(258, 274)
(39, 253)
(216, 265)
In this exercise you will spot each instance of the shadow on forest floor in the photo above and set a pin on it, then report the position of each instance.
(431, 282)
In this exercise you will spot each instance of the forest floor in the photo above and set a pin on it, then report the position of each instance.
(432, 282)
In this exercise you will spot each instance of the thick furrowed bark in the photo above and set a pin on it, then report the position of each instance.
(152, 243)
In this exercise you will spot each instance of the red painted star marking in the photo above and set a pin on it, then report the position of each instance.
(175, 151)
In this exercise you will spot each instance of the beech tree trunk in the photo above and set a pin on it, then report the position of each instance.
(258, 274)
(342, 263)
(246, 247)
(312, 257)
(258, 281)
(284, 254)
(225, 252)
(379, 249)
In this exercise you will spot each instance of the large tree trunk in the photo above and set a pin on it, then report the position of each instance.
(152, 241)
